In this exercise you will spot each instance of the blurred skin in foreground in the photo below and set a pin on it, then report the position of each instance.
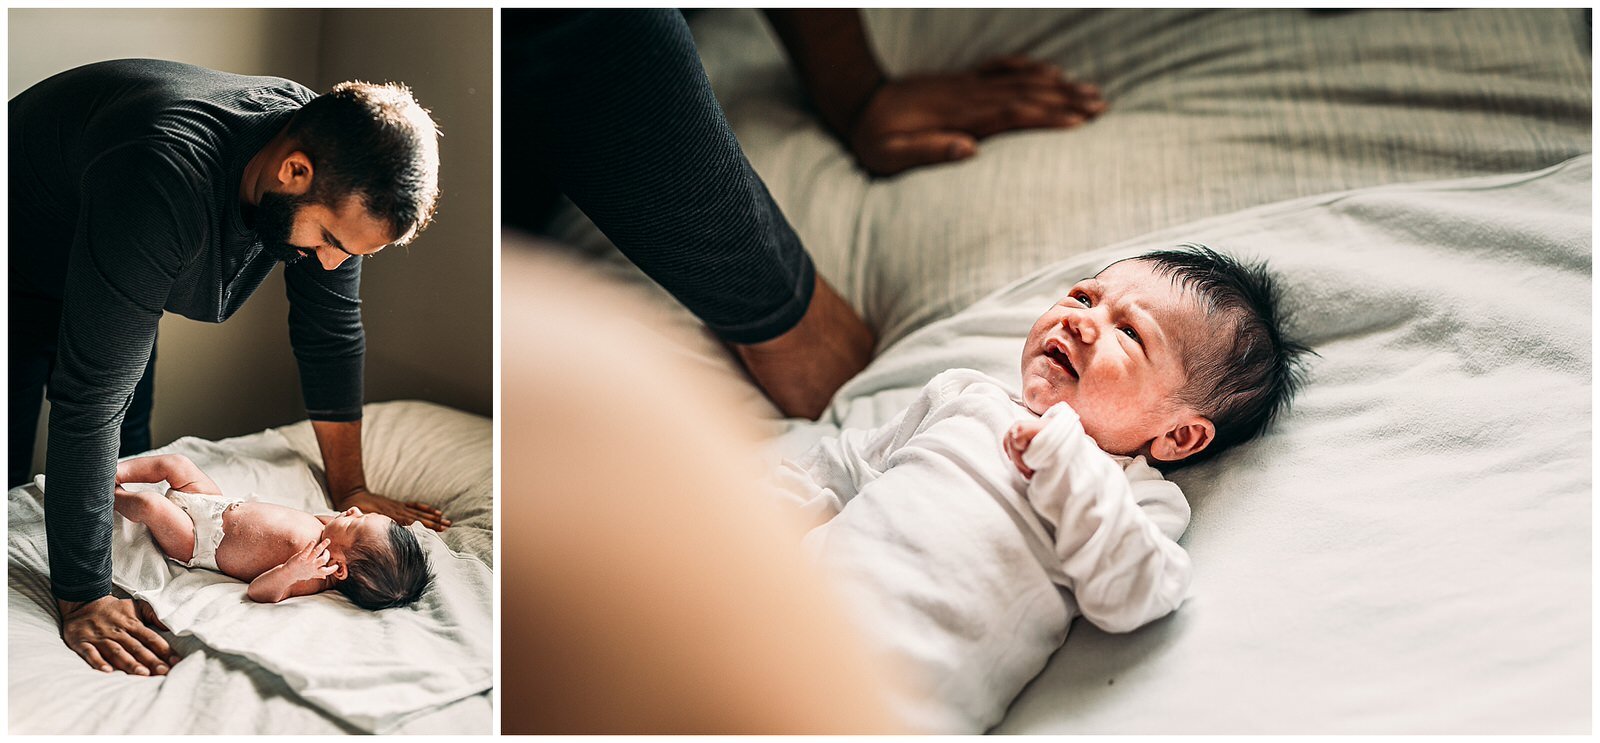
(648, 588)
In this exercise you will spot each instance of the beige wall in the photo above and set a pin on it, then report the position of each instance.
(428, 308)
(247, 42)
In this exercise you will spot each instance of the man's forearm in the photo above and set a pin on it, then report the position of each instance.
(80, 472)
(340, 443)
(830, 51)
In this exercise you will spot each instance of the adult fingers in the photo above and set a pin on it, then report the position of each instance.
(121, 659)
(1050, 89)
(420, 506)
(1022, 115)
(136, 643)
(1082, 98)
(1088, 98)
(405, 516)
(1086, 90)
(1034, 75)
(1014, 63)
(156, 643)
(899, 152)
(1019, 115)
(425, 512)
(87, 651)
(430, 517)
(436, 523)
(147, 614)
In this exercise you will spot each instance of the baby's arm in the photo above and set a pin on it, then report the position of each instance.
(301, 575)
(1123, 567)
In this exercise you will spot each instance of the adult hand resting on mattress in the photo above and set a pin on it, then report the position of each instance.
(340, 443)
(115, 634)
(894, 125)
(111, 634)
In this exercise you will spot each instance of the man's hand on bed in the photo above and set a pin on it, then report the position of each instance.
(340, 442)
(894, 125)
(929, 119)
(402, 512)
(110, 635)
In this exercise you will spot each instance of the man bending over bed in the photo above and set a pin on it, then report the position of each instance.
(141, 187)
(961, 521)
(281, 552)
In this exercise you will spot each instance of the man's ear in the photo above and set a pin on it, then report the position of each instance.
(1188, 437)
(295, 174)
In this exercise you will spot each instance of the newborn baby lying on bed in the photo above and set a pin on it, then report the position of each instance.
(972, 527)
(281, 552)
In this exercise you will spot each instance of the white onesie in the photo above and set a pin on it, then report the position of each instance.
(967, 574)
(206, 512)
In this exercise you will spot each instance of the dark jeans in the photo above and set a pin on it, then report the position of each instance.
(31, 359)
(614, 107)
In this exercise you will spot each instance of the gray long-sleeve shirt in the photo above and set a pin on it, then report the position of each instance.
(124, 203)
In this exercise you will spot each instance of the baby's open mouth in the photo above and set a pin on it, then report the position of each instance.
(1059, 356)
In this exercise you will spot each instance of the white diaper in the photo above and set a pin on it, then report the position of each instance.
(206, 512)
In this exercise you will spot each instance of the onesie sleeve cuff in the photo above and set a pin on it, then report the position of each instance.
(1062, 432)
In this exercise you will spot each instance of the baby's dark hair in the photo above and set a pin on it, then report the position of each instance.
(1245, 381)
(386, 575)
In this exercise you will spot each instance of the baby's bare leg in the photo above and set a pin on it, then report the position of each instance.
(170, 525)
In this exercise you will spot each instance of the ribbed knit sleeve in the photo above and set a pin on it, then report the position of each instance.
(326, 333)
(618, 107)
(138, 209)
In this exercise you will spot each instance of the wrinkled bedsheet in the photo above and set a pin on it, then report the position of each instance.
(314, 664)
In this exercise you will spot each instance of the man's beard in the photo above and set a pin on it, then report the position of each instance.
(274, 223)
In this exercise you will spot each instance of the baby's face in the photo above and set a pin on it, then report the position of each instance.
(1113, 350)
(346, 529)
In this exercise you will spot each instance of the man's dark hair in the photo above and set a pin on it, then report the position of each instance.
(377, 143)
(386, 575)
(1243, 380)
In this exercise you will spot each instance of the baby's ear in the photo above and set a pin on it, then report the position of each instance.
(1187, 438)
(342, 571)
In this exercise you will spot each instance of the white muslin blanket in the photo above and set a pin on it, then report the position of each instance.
(374, 670)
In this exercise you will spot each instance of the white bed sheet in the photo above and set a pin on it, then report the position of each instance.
(1408, 550)
(414, 451)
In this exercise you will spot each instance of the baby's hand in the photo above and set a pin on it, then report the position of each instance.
(310, 563)
(1017, 441)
